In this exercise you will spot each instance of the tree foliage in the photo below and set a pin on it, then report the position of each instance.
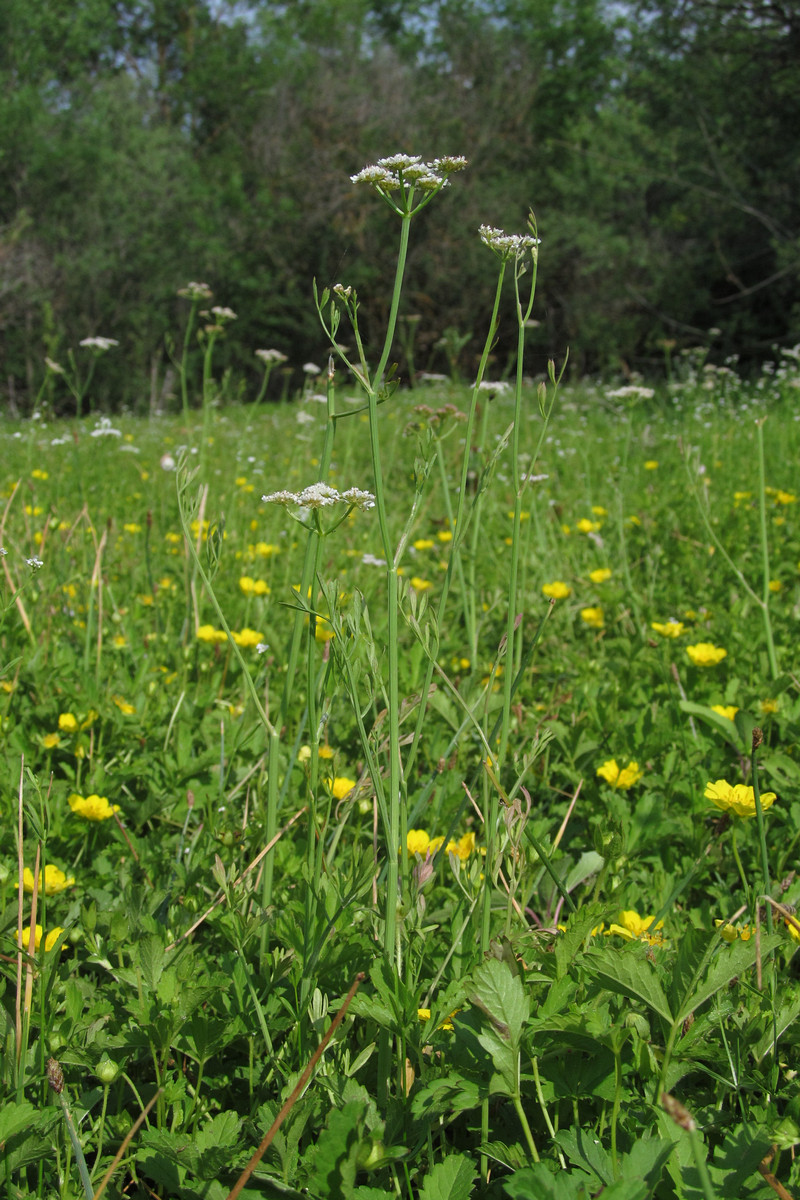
(147, 142)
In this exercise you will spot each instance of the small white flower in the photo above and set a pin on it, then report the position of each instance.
(270, 356)
(167, 462)
(318, 495)
(3, 552)
(305, 418)
(317, 397)
(285, 498)
(104, 428)
(101, 344)
(196, 291)
(360, 499)
(507, 245)
(501, 385)
(222, 313)
(55, 367)
(632, 392)
(312, 369)
(34, 563)
(370, 560)
(262, 647)
(399, 162)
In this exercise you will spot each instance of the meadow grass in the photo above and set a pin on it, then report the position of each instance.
(380, 838)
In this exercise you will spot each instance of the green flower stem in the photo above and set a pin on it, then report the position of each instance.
(185, 358)
(762, 518)
(308, 576)
(392, 834)
(763, 600)
(765, 876)
(101, 1130)
(742, 876)
(526, 1129)
(80, 1161)
(459, 528)
(519, 485)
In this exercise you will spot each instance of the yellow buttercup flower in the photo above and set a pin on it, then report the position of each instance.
(248, 637)
(737, 798)
(93, 808)
(587, 526)
(668, 629)
(706, 654)
(50, 741)
(725, 710)
(600, 575)
(593, 617)
(557, 590)
(651, 464)
(420, 585)
(23, 936)
(417, 842)
(54, 881)
(207, 633)
(620, 778)
(729, 933)
(341, 787)
(632, 926)
(68, 723)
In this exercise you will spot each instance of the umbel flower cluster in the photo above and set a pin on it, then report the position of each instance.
(320, 495)
(410, 170)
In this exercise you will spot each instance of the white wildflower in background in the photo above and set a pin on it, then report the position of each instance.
(508, 245)
(262, 647)
(501, 385)
(100, 344)
(196, 291)
(312, 369)
(222, 313)
(34, 563)
(53, 366)
(167, 462)
(305, 418)
(104, 428)
(269, 357)
(321, 495)
(632, 392)
(3, 552)
(371, 560)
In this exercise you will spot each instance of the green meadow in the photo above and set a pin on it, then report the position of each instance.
(399, 784)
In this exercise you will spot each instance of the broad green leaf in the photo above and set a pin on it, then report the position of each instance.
(630, 973)
(585, 1150)
(537, 1183)
(646, 1158)
(334, 1156)
(16, 1117)
(499, 993)
(787, 1014)
(450, 1179)
(722, 724)
(732, 960)
(151, 961)
(589, 863)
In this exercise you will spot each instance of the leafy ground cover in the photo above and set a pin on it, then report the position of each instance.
(434, 821)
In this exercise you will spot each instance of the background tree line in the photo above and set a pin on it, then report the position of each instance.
(144, 143)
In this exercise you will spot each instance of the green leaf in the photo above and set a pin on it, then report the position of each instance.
(537, 1183)
(334, 1156)
(722, 724)
(585, 1150)
(499, 994)
(450, 1179)
(733, 959)
(589, 863)
(629, 972)
(16, 1117)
